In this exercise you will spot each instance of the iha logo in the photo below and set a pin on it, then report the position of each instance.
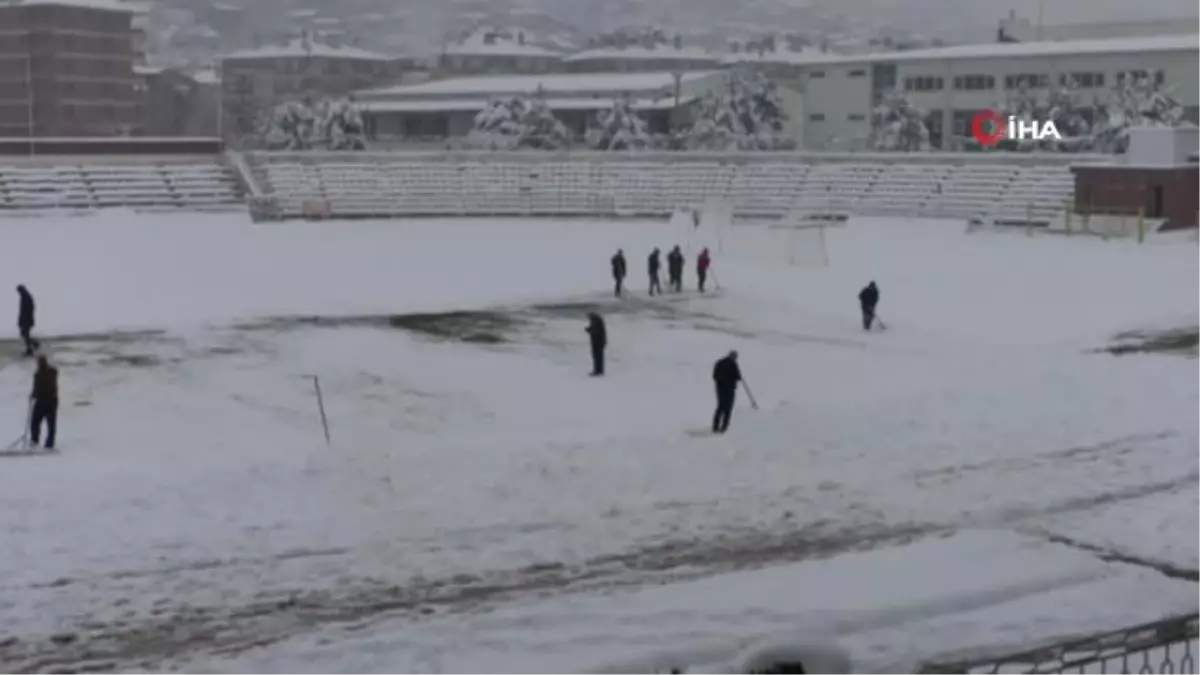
(990, 127)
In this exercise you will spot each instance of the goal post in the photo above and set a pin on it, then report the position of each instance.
(803, 239)
(702, 227)
(1113, 223)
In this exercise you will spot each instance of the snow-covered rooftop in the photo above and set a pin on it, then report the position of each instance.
(782, 56)
(206, 76)
(107, 5)
(501, 85)
(1126, 45)
(300, 47)
(478, 104)
(490, 42)
(639, 52)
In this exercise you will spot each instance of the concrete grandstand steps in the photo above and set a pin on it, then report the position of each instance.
(903, 189)
(1036, 195)
(98, 184)
(768, 189)
(654, 185)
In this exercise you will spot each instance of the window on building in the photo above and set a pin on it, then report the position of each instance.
(856, 117)
(816, 117)
(1028, 80)
(857, 72)
(923, 83)
(1082, 80)
(816, 74)
(974, 82)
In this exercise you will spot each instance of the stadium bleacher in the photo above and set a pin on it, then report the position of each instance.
(761, 186)
(184, 186)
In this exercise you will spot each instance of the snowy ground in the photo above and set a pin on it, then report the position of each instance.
(976, 476)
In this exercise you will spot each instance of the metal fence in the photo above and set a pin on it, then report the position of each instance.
(1166, 646)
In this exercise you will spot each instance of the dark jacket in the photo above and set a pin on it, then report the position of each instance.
(869, 297)
(675, 262)
(25, 314)
(618, 266)
(596, 331)
(45, 384)
(727, 374)
(653, 263)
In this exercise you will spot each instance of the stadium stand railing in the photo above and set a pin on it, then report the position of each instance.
(1166, 646)
(993, 188)
(80, 184)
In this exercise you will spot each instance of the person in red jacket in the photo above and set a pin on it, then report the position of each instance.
(702, 263)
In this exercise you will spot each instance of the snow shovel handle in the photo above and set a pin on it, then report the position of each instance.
(749, 394)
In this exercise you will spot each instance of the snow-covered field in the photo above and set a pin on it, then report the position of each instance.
(953, 483)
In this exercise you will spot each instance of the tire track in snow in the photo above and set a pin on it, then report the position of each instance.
(152, 642)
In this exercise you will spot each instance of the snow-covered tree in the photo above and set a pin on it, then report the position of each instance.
(1059, 105)
(897, 125)
(342, 125)
(1137, 102)
(747, 114)
(518, 123)
(289, 126)
(619, 128)
(327, 125)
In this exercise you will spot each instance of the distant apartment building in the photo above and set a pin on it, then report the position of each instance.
(652, 52)
(67, 68)
(490, 51)
(175, 104)
(254, 81)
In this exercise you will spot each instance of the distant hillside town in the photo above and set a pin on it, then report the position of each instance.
(157, 72)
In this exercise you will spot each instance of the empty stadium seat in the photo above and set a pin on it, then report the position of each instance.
(143, 186)
(765, 186)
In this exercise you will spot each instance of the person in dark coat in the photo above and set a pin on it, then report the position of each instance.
(653, 265)
(868, 298)
(44, 402)
(726, 375)
(703, 261)
(618, 271)
(599, 338)
(675, 264)
(25, 320)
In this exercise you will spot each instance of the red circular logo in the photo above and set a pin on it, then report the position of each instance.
(989, 128)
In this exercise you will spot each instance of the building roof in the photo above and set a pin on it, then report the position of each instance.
(507, 85)
(105, 5)
(478, 104)
(478, 44)
(1011, 50)
(782, 56)
(300, 47)
(639, 53)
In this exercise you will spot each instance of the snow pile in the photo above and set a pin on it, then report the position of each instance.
(328, 125)
(1133, 103)
(897, 125)
(747, 115)
(619, 128)
(518, 123)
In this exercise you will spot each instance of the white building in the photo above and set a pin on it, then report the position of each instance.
(1021, 29)
(435, 111)
(952, 84)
